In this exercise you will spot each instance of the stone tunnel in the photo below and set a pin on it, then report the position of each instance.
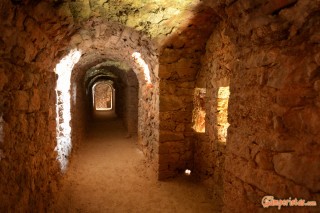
(222, 96)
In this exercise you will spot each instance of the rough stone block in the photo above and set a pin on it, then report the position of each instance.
(288, 99)
(264, 180)
(311, 119)
(180, 127)
(170, 103)
(234, 192)
(185, 68)
(23, 123)
(278, 124)
(165, 71)
(171, 147)
(34, 101)
(167, 125)
(317, 58)
(169, 56)
(264, 160)
(3, 79)
(277, 77)
(18, 54)
(169, 159)
(293, 120)
(165, 174)
(286, 144)
(302, 169)
(274, 5)
(316, 86)
(170, 136)
(21, 100)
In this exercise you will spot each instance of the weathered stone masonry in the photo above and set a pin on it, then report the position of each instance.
(29, 171)
(265, 52)
(269, 58)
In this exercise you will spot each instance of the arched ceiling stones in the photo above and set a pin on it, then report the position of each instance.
(101, 41)
(108, 70)
(111, 29)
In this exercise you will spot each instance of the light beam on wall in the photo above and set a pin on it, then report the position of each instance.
(63, 128)
(143, 65)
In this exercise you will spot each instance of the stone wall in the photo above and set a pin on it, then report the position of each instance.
(29, 172)
(35, 36)
(28, 167)
(268, 54)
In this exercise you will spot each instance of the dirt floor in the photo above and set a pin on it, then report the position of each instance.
(108, 174)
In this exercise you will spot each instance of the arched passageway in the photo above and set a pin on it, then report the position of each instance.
(125, 88)
(108, 151)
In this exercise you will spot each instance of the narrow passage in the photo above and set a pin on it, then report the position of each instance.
(108, 174)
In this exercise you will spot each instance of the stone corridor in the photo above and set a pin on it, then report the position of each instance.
(226, 89)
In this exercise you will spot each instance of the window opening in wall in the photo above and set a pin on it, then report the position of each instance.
(1, 135)
(199, 112)
(63, 128)
(144, 66)
(103, 94)
(222, 113)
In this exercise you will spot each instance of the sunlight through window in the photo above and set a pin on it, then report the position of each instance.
(64, 70)
(222, 116)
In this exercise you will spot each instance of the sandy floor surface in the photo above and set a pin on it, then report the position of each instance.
(108, 174)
